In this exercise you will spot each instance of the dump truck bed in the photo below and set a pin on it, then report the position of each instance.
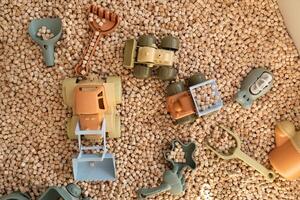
(217, 104)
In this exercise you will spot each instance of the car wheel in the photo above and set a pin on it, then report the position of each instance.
(186, 119)
(196, 79)
(175, 88)
(170, 43)
(146, 40)
(142, 71)
(167, 73)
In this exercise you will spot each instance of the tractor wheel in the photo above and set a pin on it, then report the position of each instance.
(116, 80)
(167, 73)
(170, 43)
(16, 196)
(68, 86)
(116, 129)
(71, 125)
(142, 71)
(146, 40)
(74, 190)
(186, 119)
(175, 88)
(196, 79)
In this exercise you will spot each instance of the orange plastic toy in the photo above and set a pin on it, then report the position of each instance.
(105, 23)
(285, 158)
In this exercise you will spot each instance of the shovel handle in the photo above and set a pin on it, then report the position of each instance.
(148, 192)
(268, 174)
(82, 68)
(48, 54)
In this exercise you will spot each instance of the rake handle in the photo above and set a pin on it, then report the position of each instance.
(88, 52)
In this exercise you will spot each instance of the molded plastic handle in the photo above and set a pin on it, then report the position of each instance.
(48, 54)
(268, 174)
(148, 192)
(82, 68)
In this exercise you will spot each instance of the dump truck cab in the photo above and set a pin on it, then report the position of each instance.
(180, 105)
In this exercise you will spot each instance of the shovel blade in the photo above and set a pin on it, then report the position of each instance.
(90, 167)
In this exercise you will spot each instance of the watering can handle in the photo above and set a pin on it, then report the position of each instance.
(82, 68)
(48, 54)
(148, 192)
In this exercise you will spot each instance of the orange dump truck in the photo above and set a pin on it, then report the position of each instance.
(196, 97)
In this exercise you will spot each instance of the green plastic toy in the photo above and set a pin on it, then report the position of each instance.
(144, 55)
(173, 179)
(257, 83)
(16, 196)
(70, 192)
(236, 152)
(47, 46)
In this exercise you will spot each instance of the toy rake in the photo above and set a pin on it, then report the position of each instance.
(105, 23)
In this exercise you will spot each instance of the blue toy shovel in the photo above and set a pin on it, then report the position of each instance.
(55, 25)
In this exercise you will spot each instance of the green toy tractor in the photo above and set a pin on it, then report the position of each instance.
(144, 55)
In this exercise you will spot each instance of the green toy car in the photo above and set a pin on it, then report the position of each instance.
(143, 56)
(257, 83)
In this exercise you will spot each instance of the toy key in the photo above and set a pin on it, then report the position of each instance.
(173, 179)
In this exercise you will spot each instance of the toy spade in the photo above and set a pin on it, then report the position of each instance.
(236, 152)
(55, 25)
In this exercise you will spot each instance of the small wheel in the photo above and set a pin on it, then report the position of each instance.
(167, 73)
(71, 125)
(117, 131)
(116, 80)
(146, 40)
(142, 71)
(170, 43)
(74, 190)
(196, 79)
(113, 126)
(16, 196)
(175, 88)
(68, 86)
(186, 119)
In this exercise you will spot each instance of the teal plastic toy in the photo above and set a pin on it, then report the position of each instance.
(173, 179)
(16, 196)
(257, 83)
(70, 192)
(47, 46)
